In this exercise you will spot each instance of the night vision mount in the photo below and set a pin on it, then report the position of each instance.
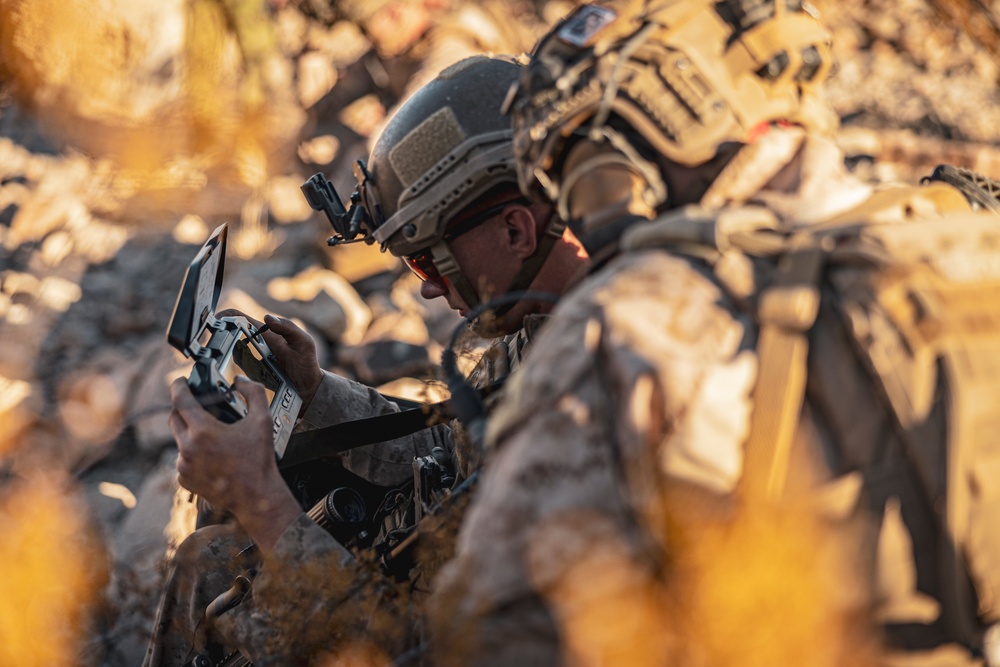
(347, 223)
(224, 347)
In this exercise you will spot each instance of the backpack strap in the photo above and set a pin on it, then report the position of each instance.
(786, 312)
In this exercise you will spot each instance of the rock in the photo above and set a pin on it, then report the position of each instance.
(91, 407)
(319, 150)
(149, 403)
(343, 42)
(382, 361)
(364, 115)
(56, 247)
(192, 230)
(405, 326)
(421, 391)
(285, 202)
(358, 261)
(440, 320)
(317, 76)
(20, 407)
(143, 539)
(146, 538)
(314, 293)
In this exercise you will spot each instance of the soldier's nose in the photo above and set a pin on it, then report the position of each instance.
(430, 289)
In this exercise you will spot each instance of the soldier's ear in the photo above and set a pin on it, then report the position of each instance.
(521, 229)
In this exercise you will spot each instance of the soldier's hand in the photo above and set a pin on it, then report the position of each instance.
(295, 351)
(232, 466)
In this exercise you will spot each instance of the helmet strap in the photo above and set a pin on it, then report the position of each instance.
(446, 265)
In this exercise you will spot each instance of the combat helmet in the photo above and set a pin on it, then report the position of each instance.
(444, 151)
(671, 78)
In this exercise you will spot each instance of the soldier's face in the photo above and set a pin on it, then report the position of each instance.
(485, 260)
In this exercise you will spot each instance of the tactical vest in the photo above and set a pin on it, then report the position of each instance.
(906, 288)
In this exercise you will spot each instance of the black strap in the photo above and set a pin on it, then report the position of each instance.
(328, 441)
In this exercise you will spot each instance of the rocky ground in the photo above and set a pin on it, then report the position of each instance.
(114, 168)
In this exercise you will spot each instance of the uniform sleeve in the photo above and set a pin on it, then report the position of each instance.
(387, 463)
(313, 596)
(558, 557)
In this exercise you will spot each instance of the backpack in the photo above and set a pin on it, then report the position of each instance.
(912, 275)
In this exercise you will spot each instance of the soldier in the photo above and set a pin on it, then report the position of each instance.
(440, 192)
(759, 431)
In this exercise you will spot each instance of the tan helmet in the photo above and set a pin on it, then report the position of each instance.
(446, 146)
(686, 76)
(446, 150)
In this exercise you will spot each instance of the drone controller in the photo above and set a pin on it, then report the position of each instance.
(224, 347)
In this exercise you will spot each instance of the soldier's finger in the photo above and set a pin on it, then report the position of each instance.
(177, 425)
(185, 402)
(295, 336)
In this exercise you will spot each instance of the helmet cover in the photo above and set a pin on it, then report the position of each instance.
(686, 76)
(444, 148)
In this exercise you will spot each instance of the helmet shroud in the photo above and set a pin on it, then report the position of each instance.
(677, 78)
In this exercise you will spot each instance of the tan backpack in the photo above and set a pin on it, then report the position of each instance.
(913, 275)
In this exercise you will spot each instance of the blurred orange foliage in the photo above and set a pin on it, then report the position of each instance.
(53, 569)
(182, 97)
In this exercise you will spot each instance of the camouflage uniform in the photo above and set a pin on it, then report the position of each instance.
(760, 432)
(640, 389)
(445, 157)
(311, 576)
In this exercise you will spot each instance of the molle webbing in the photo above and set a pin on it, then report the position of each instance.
(981, 191)
(925, 319)
(916, 282)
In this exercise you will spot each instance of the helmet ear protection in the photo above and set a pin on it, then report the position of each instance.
(683, 77)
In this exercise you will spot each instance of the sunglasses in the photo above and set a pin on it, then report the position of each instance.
(422, 263)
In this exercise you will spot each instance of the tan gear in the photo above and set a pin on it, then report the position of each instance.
(915, 277)
(329, 12)
(982, 191)
(443, 149)
(686, 76)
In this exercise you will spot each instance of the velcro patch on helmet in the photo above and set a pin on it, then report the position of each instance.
(421, 150)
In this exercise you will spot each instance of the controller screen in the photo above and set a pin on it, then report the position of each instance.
(247, 360)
